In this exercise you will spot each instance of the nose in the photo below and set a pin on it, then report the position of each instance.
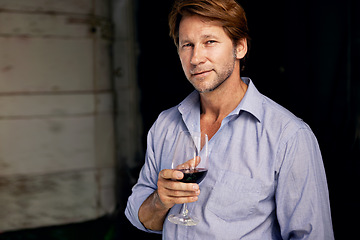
(198, 55)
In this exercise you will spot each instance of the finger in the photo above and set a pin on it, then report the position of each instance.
(178, 186)
(180, 200)
(169, 196)
(182, 194)
(192, 163)
(197, 160)
(171, 174)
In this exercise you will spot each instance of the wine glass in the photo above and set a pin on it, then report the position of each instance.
(191, 158)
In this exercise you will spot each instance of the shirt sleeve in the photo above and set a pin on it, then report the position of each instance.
(302, 198)
(146, 185)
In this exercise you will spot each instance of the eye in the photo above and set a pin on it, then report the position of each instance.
(187, 45)
(210, 42)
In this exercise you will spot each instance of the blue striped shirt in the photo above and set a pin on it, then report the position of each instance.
(266, 178)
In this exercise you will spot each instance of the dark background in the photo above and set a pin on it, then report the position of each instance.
(305, 55)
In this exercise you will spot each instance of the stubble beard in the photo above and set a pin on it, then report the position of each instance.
(219, 79)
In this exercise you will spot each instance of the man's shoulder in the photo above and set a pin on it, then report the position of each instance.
(270, 113)
(166, 119)
(169, 114)
(175, 113)
(280, 118)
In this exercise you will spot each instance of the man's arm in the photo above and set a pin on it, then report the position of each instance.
(153, 211)
(303, 208)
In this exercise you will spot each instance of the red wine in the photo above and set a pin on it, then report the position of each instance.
(193, 175)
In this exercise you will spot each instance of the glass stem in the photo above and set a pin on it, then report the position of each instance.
(185, 210)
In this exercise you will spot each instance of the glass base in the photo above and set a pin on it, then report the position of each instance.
(183, 220)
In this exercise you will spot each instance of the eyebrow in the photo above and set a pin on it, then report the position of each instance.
(205, 36)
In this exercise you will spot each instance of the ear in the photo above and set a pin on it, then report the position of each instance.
(241, 48)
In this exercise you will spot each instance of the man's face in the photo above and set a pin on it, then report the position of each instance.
(207, 54)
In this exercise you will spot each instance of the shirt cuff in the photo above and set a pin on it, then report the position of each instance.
(132, 212)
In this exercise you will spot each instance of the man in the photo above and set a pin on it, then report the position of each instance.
(266, 178)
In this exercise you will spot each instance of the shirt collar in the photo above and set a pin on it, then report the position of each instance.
(190, 102)
(251, 103)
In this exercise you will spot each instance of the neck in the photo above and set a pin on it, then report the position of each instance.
(216, 105)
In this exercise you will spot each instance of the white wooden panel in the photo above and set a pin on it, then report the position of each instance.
(63, 6)
(41, 64)
(102, 8)
(125, 62)
(57, 153)
(104, 103)
(104, 141)
(19, 106)
(103, 72)
(107, 189)
(41, 200)
(44, 25)
(46, 145)
(123, 17)
(96, 7)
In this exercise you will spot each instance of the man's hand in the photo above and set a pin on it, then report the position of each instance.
(171, 191)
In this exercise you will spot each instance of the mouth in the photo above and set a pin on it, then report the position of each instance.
(201, 74)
